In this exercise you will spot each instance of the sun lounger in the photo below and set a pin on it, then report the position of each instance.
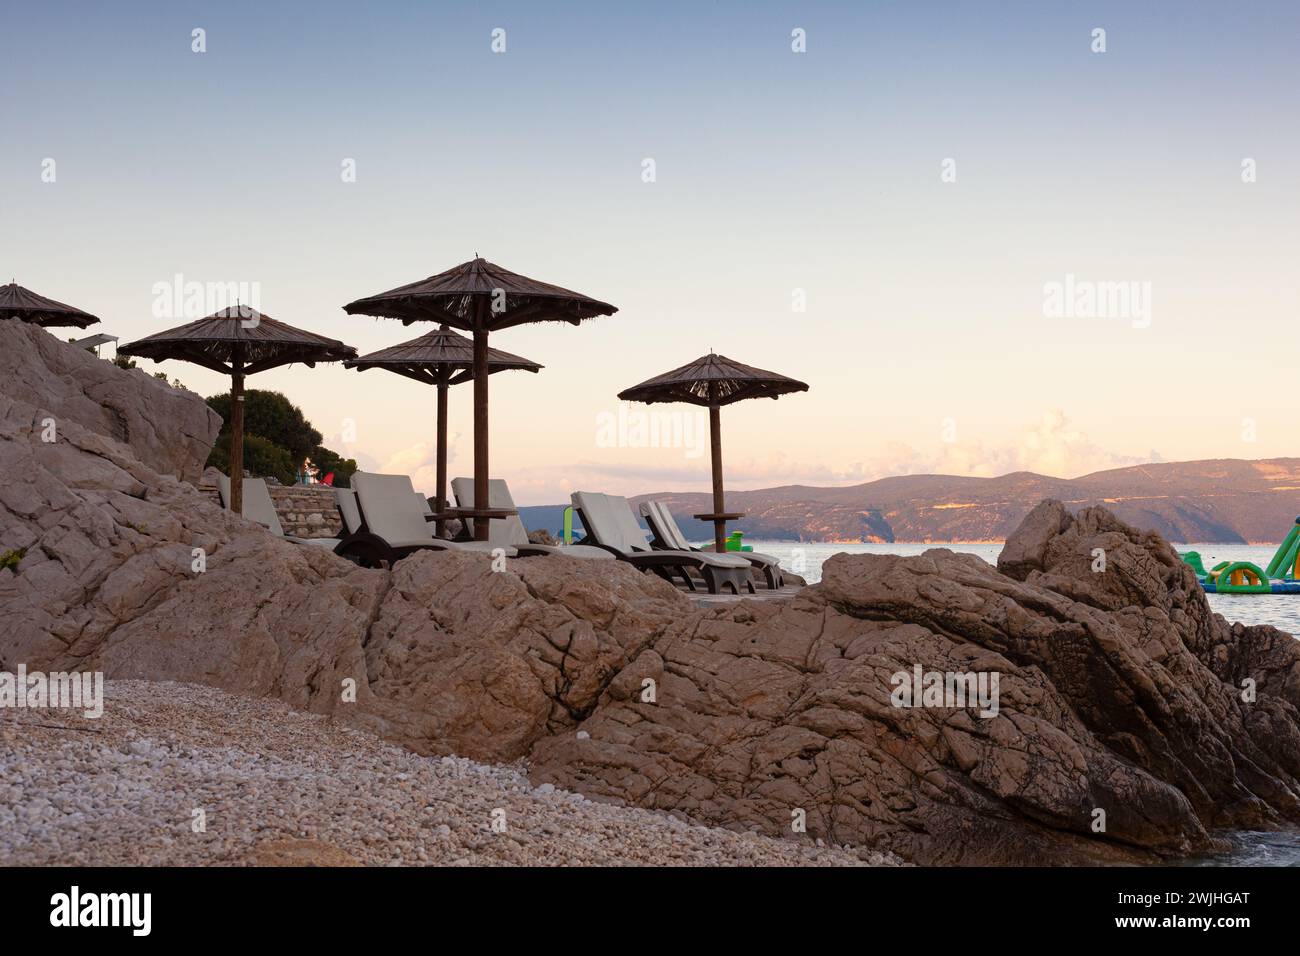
(668, 536)
(393, 525)
(259, 507)
(611, 525)
(346, 499)
(510, 532)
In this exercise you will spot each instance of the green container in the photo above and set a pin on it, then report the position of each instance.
(734, 542)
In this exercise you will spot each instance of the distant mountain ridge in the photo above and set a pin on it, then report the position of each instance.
(1223, 500)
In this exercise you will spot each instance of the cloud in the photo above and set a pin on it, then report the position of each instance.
(1051, 447)
(420, 462)
(1055, 448)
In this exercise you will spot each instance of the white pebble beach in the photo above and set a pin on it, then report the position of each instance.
(280, 787)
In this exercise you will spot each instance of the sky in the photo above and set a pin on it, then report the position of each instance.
(984, 242)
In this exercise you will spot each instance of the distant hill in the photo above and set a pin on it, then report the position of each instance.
(1225, 500)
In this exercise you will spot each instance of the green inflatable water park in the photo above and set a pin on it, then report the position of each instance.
(1243, 577)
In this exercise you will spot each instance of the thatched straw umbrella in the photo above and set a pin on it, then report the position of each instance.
(480, 297)
(19, 303)
(239, 342)
(713, 381)
(440, 358)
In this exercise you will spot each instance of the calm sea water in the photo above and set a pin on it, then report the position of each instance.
(1280, 848)
(1280, 610)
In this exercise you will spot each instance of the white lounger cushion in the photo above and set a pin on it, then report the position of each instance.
(501, 531)
(667, 525)
(627, 517)
(388, 507)
(609, 519)
(673, 537)
(389, 510)
(599, 520)
(584, 551)
(510, 532)
(330, 543)
(347, 502)
(486, 546)
(257, 503)
(625, 520)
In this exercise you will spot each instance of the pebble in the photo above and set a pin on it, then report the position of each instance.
(274, 781)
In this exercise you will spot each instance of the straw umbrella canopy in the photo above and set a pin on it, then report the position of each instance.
(238, 342)
(713, 381)
(19, 303)
(443, 359)
(480, 297)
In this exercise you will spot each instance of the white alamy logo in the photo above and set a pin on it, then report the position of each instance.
(646, 428)
(82, 691)
(180, 299)
(946, 689)
(103, 909)
(1085, 299)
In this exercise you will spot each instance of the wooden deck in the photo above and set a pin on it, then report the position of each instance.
(703, 598)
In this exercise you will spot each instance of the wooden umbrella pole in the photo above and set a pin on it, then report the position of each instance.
(237, 434)
(481, 417)
(715, 440)
(441, 502)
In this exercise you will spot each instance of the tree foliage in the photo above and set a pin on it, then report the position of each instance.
(277, 440)
(274, 417)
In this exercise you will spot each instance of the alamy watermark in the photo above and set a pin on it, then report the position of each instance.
(128, 910)
(632, 427)
(1085, 299)
(176, 298)
(82, 691)
(946, 689)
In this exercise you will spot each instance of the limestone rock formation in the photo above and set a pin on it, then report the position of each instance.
(164, 427)
(1129, 721)
(120, 566)
(1119, 693)
(465, 660)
